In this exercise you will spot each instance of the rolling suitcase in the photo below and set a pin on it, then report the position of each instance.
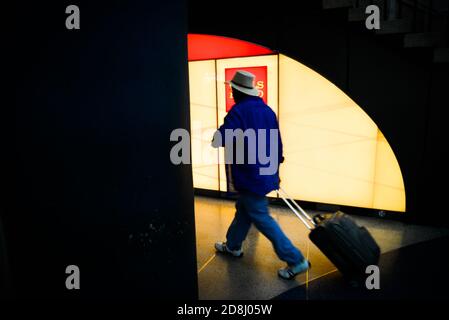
(349, 247)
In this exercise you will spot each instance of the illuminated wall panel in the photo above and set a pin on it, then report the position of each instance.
(203, 118)
(388, 184)
(334, 152)
(331, 148)
(223, 186)
(208, 47)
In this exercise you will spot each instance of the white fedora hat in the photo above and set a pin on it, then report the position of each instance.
(243, 81)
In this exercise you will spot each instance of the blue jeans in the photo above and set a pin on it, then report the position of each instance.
(254, 209)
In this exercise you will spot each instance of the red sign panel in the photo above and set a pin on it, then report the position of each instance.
(260, 83)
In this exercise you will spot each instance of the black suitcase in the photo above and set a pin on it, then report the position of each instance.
(349, 247)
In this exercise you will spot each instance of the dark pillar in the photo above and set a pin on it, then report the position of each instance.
(93, 184)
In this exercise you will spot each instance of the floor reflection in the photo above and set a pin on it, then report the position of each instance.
(254, 275)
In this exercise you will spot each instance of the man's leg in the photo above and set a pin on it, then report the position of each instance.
(257, 209)
(238, 230)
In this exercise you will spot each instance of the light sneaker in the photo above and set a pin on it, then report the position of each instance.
(291, 272)
(221, 247)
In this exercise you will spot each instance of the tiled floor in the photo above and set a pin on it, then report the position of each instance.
(254, 275)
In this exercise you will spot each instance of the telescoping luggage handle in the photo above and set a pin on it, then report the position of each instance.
(299, 212)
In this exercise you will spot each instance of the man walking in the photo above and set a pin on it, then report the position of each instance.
(252, 179)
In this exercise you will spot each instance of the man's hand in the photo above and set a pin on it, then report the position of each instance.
(217, 140)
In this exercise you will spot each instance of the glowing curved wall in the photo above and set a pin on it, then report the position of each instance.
(334, 153)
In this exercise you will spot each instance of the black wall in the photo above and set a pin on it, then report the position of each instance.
(401, 89)
(92, 182)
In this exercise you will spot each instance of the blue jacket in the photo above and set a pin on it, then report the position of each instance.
(251, 113)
